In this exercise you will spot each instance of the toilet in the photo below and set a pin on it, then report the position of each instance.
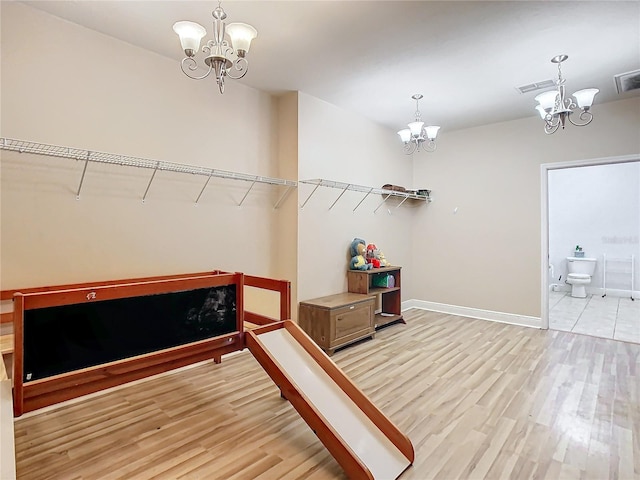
(580, 272)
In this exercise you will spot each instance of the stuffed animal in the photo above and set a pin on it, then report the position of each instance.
(376, 257)
(358, 250)
(381, 258)
(372, 252)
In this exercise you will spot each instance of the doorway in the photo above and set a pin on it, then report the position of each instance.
(591, 211)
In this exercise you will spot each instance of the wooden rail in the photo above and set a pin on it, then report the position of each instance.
(31, 395)
(283, 287)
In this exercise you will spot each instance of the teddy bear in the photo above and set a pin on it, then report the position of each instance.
(358, 250)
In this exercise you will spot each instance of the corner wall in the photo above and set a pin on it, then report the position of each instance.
(337, 145)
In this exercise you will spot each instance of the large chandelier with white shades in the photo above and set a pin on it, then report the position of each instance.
(225, 58)
(418, 137)
(556, 108)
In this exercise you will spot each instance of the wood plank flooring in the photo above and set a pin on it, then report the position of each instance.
(478, 400)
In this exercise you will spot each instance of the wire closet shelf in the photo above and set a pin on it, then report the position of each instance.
(386, 194)
(23, 146)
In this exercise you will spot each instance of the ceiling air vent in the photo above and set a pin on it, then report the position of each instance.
(536, 86)
(626, 82)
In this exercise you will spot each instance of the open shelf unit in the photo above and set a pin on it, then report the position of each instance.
(23, 146)
(361, 281)
(386, 194)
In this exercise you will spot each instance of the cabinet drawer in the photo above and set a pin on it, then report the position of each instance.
(337, 320)
(352, 320)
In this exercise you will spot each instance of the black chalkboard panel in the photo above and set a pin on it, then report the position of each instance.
(70, 337)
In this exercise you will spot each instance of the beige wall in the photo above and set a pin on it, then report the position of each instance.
(285, 233)
(139, 103)
(487, 255)
(337, 145)
(136, 103)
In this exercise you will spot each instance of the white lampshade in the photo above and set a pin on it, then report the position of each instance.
(241, 35)
(547, 100)
(585, 97)
(405, 135)
(540, 110)
(416, 128)
(190, 34)
(432, 131)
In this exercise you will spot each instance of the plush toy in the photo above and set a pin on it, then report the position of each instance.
(381, 258)
(358, 250)
(372, 252)
(376, 257)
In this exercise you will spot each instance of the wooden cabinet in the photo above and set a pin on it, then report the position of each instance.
(364, 281)
(337, 320)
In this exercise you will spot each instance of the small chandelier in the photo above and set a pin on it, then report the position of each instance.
(555, 108)
(417, 136)
(221, 58)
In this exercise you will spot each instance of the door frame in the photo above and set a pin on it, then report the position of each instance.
(544, 211)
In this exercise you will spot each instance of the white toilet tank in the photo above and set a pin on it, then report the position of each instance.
(584, 265)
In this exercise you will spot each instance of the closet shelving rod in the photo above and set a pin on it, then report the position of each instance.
(203, 187)
(339, 196)
(363, 199)
(319, 182)
(381, 203)
(144, 197)
(84, 170)
(24, 146)
(284, 195)
(245, 195)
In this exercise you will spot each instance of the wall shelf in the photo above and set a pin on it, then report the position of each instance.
(386, 194)
(23, 146)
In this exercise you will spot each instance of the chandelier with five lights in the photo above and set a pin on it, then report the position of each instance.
(556, 108)
(418, 137)
(222, 57)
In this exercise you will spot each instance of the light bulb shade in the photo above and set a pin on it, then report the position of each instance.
(432, 131)
(547, 100)
(584, 98)
(405, 135)
(241, 35)
(190, 34)
(416, 128)
(540, 110)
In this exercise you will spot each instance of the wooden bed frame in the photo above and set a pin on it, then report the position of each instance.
(32, 395)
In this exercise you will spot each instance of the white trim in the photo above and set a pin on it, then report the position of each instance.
(510, 318)
(544, 219)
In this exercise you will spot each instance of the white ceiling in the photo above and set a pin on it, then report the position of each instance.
(369, 57)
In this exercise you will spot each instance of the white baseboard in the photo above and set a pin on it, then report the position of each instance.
(511, 318)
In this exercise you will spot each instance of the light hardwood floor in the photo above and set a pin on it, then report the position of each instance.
(478, 400)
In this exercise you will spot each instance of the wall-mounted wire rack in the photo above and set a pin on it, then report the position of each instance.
(23, 146)
(386, 194)
(622, 266)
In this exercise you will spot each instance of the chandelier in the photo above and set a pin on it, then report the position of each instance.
(417, 136)
(555, 108)
(223, 58)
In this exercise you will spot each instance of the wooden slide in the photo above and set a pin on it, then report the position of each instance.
(358, 435)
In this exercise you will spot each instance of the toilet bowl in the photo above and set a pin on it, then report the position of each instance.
(580, 272)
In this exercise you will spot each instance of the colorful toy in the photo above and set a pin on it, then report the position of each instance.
(372, 252)
(383, 261)
(358, 250)
(375, 257)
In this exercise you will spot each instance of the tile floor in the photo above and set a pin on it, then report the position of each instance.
(609, 317)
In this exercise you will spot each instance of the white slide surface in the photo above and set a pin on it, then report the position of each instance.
(375, 450)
